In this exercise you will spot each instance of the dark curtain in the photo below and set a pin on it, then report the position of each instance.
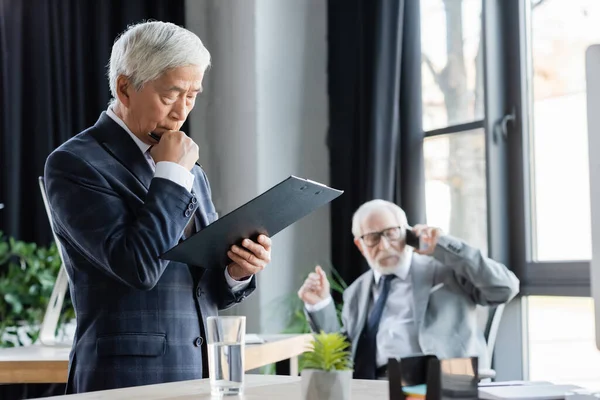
(375, 134)
(53, 58)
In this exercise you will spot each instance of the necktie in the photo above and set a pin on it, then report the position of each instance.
(150, 159)
(189, 228)
(365, 363)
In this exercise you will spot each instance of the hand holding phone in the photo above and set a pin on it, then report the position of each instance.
(423, 238)
(412, 239)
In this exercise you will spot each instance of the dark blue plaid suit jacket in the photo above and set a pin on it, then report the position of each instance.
(140, 320)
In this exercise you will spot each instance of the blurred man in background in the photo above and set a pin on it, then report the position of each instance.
(413, 300)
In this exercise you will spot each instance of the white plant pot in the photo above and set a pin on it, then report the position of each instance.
(325, 385)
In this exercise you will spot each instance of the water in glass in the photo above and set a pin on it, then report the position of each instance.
(226, 370)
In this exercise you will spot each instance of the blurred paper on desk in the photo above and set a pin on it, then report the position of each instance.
(253, 338)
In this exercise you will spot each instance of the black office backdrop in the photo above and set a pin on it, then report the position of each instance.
(53, 57)
(53, 85)
(375, 134)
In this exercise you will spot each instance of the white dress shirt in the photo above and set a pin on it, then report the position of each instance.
(397, 335)
(175, 173)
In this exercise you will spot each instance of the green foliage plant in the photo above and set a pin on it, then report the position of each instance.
(27, 276)
(328, 352)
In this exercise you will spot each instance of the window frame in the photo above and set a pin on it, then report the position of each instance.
(507, 24)
(454, 129)
(506, 58)
(467, 127)
(506, 27)
(554, 278)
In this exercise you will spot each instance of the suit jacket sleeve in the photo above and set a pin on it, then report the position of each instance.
(124, 244)
(485, 281)
(323, 320)
(224, 294)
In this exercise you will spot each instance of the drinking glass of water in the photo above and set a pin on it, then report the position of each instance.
(225, 341)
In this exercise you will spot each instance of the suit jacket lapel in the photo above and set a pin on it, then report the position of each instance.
(364, 296)
(118, 143)
(422, 273)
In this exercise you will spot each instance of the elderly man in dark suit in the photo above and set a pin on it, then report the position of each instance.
(119, 198)
(413, 300)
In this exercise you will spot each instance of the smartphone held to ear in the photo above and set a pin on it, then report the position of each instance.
(413, 240)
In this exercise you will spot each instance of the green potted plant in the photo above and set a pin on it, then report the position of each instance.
(27, 275)
(293, 310)
(327, 373)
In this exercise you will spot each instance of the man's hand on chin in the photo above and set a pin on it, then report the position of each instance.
(250, 259)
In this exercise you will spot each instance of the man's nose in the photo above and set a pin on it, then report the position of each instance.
(384, 242)
(179, 112)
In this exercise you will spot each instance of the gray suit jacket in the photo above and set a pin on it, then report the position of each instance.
(461, 278)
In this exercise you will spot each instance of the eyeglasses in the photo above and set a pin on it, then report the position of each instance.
(391, 234)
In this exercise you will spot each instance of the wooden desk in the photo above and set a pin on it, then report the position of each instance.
(44, 364)
(264, 387)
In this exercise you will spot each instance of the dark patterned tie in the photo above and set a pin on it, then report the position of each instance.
(365, 363)
(189, 228)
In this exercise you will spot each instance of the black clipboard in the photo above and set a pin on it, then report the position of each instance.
(269, 213)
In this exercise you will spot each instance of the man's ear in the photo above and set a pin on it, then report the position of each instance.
(359, 245)
(123, 89)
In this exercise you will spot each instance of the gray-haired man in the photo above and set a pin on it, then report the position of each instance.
(411, 302)
(119, 198)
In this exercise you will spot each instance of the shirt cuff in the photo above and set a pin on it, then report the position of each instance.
(236, 286)
(175, 173)
(319, 306)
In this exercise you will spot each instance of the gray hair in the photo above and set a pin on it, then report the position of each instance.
(367, 208)
(146, 50)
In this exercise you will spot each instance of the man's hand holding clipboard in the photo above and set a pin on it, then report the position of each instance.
(264, 216)
(249, 257)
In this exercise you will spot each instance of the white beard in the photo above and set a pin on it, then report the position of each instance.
(399, 267)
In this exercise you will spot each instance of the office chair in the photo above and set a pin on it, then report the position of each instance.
(489, 321)
(50, 322)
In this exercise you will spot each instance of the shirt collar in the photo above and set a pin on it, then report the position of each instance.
(401, 270)
(143, 146)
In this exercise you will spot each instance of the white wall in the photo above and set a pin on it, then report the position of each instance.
(262, 117)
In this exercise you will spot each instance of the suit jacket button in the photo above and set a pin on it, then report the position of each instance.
(198, 342)
(191, 206)
(188, 213)
(199, 292)
(194, 200)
